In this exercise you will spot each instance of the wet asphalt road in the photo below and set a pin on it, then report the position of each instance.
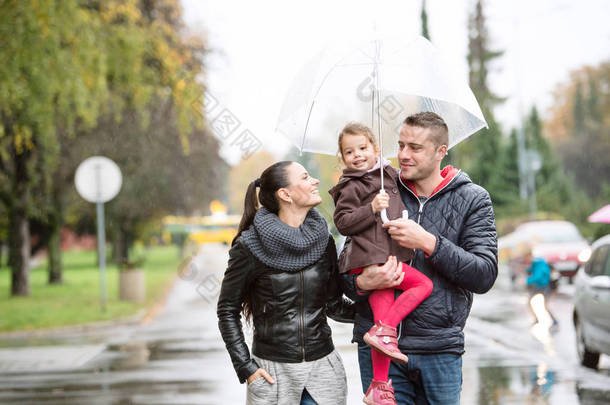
(179, 357)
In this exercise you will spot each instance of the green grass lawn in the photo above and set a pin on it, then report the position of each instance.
(77, 300)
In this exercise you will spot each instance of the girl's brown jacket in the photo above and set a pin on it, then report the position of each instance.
(371, 243)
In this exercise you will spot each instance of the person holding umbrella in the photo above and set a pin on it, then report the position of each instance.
(282, 275)
(451, 227)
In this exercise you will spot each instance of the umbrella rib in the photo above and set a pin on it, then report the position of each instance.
(307, 125)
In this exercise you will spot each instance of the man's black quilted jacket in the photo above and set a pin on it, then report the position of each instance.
(465, 261)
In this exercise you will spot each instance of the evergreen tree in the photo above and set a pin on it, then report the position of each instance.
(507, 181)
(534, 140)
(479, 154)
(424, 21)
(552, 187)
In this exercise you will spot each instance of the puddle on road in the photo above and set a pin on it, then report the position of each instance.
(502, 385)
(133, 355)
(137, 354)
(124, 374)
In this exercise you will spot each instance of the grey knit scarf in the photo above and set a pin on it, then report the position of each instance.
(283, 247)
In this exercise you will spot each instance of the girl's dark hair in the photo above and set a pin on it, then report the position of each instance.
(272, 179)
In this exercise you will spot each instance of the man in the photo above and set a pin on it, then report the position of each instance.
(451, 226)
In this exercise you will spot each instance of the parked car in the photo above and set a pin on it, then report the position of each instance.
(558, 242)
(592, 305)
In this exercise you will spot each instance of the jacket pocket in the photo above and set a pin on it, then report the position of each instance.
(267, 324)
(461, 301)
(451, 305)
(262, 323)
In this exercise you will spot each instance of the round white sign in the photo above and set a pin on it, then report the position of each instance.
(98, 179)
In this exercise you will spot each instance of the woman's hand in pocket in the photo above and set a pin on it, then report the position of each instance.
(260, 373)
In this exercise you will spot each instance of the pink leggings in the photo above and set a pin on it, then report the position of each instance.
(416, 288)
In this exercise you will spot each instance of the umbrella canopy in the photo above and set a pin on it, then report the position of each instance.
(378, 84)
(602, 215)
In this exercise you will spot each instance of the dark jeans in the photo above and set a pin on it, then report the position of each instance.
(306, 399)
(433, 379)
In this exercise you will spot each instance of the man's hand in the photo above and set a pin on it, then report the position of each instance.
(381, 201)
(411, 235)
(260, 373)
(375, 277)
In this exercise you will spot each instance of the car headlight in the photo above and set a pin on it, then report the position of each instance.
(584, 255)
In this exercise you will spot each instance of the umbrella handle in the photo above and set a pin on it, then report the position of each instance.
(384, 214)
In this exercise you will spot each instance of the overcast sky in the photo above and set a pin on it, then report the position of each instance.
(258, 46)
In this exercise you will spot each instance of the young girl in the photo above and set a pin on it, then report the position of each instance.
(358, 204)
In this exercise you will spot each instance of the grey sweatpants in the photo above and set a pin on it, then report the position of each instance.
(324, 379)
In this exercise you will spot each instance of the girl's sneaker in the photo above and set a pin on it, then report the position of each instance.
(380, 393)
(383, 338)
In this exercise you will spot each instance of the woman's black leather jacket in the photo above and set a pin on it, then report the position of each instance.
(289, 309)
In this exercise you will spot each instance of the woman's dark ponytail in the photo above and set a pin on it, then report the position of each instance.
(250, 207)
(272, 179)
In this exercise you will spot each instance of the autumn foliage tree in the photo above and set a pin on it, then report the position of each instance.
(52, 78)
(85, 77)
(579, 126)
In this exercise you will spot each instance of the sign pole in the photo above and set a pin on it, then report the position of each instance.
(101, 234)
(98, 179)
(101, 251)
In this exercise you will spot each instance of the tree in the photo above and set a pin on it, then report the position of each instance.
(579, 126)
(150, 127)
(72, 71)
(51, 76)
(534, 140)
(553, 189)
(424, 21)
(507, 181)
(170, 130)
(159, 179)
(3, 233)
(478, 154)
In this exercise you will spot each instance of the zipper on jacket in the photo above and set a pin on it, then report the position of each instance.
(301, 314)
(419, 214)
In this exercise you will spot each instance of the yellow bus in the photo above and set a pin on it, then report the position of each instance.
(218, 227)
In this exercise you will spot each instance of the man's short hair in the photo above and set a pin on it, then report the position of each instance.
(427, 119)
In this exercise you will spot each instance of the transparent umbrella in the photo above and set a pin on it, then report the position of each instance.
(379, 84)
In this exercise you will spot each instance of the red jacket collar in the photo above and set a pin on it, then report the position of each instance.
(448, 173)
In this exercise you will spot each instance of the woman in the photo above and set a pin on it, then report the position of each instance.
(282, 275)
